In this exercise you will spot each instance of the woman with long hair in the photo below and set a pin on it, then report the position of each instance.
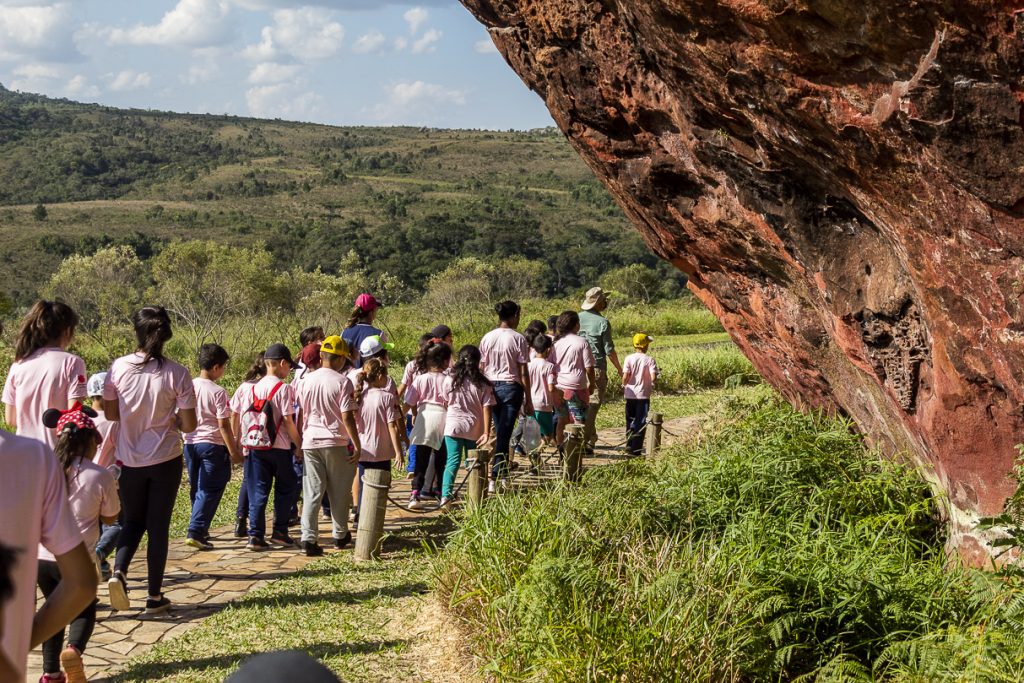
(360, 325)
(468, 422)
(154, 400)
(44, 375)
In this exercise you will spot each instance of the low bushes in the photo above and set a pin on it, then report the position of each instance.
(776, 549)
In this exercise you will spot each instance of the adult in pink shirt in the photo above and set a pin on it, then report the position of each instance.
(33, 486)
(153, 399)
(44, 375)
(468, 424)
(504, 358)
(330, 445)
(574, 365)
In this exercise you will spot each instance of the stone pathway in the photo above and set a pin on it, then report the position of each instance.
(200, 583)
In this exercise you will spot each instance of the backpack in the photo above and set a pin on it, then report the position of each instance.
(259, 430)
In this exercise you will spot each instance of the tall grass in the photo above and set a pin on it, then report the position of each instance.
(776, 549)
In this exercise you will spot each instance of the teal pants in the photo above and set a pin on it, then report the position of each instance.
(456, 449)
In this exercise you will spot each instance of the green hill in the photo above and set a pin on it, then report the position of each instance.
(407, 200)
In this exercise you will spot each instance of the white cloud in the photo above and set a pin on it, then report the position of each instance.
(79, 86)
(426, 43)
(272, 72)
(201, 73)
(36, 30)
(416, 17)
(417, 101)
(191, 23)
(371, 42)
(129, 80)
(401, 44)
(36, 71)
(307, 33)
(281, 101)
(485, 46)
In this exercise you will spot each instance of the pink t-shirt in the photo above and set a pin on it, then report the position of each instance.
(211, 407)
(572, 358)
(502, 350)
(242, 398)
(427, 388)
(149, 396)
(48, 378)
(377, 410)
(353, 377)
(642, 371)
(408, 373)
(542, 376)
(284, 405)
(325, 395)
(92, 491)
(465, 419)
(108, 430)
(36, 511)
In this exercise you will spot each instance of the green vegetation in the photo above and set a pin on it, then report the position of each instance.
(409, 201)
(775, 549)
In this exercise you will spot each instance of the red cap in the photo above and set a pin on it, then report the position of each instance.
(367, 302)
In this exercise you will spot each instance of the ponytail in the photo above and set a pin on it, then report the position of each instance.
(467, 369)
(434, 354)
(568, 322)
(45, 325)
(535, 328)
(73, 445)
(152, 331)
(373, 369)
(356, 317)
(257, 370)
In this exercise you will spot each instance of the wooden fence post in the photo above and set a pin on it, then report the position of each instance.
(478, 477)
(653, 435)
(574, 449)
(376, 484)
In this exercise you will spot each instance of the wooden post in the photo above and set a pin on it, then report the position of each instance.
(478, 477)
(652, 438)
(376, 484)
(574, 449)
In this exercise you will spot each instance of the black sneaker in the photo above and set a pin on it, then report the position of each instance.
(117, 587)
(342, 543)
(294, 521)
(157, 606)
(283, 539)
(312, 549)
(256, 544)
(241, 527)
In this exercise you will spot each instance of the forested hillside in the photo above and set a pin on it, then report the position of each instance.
(75, 178)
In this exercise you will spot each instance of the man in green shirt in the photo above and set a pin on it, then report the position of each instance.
(596, 329)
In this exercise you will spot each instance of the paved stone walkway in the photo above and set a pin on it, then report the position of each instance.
(200, 583)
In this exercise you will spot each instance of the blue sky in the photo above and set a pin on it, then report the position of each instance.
(346, 62)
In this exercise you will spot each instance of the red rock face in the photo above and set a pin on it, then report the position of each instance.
(842, 180)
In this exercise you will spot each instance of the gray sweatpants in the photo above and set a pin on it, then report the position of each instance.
(326, 470)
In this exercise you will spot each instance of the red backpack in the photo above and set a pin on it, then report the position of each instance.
(259, 430)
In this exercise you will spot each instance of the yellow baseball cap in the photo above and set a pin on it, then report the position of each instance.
(336, 346)
(641, 340)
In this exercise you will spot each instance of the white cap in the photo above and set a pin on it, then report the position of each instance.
(371, 346)
(95, 385)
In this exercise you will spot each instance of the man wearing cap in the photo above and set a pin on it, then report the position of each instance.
(330, 444)
(596, 329)
(360, 325)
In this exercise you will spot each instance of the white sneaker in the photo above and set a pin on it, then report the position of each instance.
(118, 590)
(445, 501)
(415, 503)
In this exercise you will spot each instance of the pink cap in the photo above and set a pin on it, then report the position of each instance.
(367, 302)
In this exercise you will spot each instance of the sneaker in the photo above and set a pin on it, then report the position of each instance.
(117, 587)
(241, 527)
(284, 540)
(344, 542)
(312, 549)
(158, 606)
(52, 678)
(294, 521)
(445, 501)
(436, 493)
(428, 495)
(71, 662)
(490, 486)
(256, 544)
(410, 475)
(415, 503)
(198, 543)
(327, 512)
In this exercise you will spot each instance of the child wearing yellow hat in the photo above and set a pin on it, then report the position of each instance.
(639, 371)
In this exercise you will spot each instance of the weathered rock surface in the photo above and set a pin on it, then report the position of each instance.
(842, 180)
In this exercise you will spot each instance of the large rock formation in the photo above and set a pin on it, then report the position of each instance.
(842, 180)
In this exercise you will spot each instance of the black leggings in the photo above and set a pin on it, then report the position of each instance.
(147, 501)
(425, 457)
(80, 629)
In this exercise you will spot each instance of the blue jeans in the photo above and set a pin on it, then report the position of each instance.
(108, 539)
(209, 471)
(411, 466)
(263, 469)
(508, 398)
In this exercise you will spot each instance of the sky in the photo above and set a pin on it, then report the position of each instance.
(344, 62)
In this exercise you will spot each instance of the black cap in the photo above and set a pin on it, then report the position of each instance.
(441, 331)
(279, 352)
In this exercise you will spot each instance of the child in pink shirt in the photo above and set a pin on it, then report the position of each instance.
(639, 371)
(104, 458)
(427, 399)
(574, 364)
(542, 387)
(468, 423)
(238, 404)
(44, 375)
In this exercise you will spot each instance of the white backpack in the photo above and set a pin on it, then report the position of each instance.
(259, 430)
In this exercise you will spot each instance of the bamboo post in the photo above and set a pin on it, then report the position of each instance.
(574, 449)
(478, 477)
(376, 484)
(652, 438)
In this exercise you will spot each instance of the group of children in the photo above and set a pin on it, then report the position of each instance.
(311, 435)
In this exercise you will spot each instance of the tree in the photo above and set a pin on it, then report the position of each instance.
(635, 283)
(467, 286)
(40, 212)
